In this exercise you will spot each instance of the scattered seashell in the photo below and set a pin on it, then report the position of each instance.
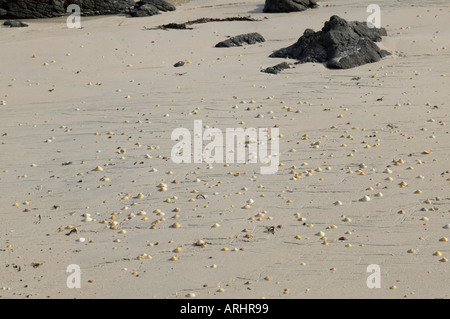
(200, 242)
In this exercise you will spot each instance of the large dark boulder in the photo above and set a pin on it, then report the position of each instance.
(239, 40)
(280, 6)
(340, 44)
(146, 8)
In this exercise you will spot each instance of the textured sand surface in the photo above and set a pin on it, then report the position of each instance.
(108, 96)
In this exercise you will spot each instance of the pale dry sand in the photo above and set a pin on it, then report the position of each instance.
(53, 116)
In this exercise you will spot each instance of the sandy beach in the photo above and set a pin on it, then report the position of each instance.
(87, 178)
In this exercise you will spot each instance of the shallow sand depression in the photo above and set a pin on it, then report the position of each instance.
(87, 179)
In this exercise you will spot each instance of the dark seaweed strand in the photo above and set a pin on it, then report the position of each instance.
(184, 26)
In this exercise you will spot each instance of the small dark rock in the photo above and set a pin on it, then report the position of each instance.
(15, 24)
(146, 8)
(239, 40)
(178, 64)
(161, 5)
(284, 6)
(277, 68)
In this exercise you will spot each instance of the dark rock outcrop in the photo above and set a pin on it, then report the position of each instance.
(30, 9)
(26, 9)
(239, 40)
(15, 24)
(102, 7)
(280, 6)
(146, 8)
(277, 68)
(340, 44)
